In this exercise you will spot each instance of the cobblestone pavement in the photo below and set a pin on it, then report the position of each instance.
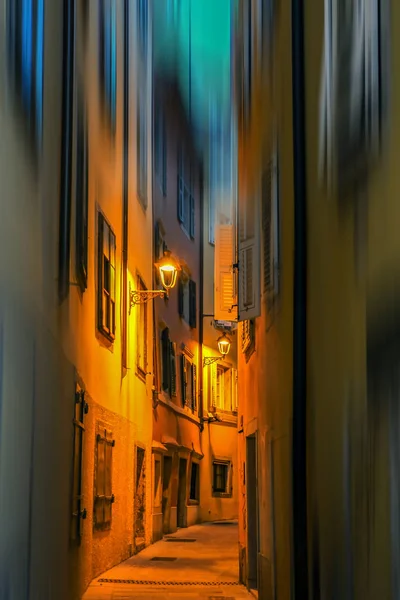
(201, 564)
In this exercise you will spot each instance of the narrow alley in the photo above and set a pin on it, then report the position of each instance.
(195, 562)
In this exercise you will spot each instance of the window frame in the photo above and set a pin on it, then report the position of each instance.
(196, 499)
(228, 490)
(81, 196)
(108, 332)
(188, 381)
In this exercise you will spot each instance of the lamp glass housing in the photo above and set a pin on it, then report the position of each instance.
(168, 269)
(224, 345)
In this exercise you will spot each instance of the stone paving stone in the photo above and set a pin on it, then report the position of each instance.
(212, 558)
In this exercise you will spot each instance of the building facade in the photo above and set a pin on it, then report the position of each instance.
(76, 155)
(177, 452)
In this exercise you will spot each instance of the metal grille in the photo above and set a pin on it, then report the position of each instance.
(171, 583)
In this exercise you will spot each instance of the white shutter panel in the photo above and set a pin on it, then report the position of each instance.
(213, 385)
(224, 294)
(234, 394)
(249, 261)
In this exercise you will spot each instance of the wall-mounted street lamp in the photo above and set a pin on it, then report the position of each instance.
(168, 269)
(224, 345)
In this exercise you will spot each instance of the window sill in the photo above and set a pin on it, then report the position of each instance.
(222, 494)
(106, 338)
(141, 374)
(193, 502)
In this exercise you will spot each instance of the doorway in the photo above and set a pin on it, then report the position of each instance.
(252, 512)
(140, 500)
(182, 493)
(166, 495)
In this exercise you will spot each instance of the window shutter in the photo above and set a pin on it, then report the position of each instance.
(164, 158)
(165, 347)
(109, 498)
(100, 271)
(224, 277)
(181, 190)
(181, 295)
(266, 227)
(234, 391)
(213, 386)
(192, 217)
(183, 378)
(249, 259)
(194, 386)
(192, 304)
(100, 480)
(173, 369)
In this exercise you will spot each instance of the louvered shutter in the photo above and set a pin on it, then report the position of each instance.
(165, 347)
(192, 304)
(181, 189)
(194, 386)
(173, 368)
(234, 391)
(224, 276)
(183, 378)
(268, 271)
(192, 216)
(213, 384)
(249, 258)
(181, 296)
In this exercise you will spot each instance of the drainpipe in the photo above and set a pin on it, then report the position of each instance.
(201, 301)
(125, 194)
(299, 448)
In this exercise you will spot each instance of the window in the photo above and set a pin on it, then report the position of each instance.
(187, 302)
(194, 482)
(168, 353)
(270, 228)
(223, 388)
(25, 45)
(160, 149)
(188, 383)
(222, 476)
(247, 336)
(106, 278)
(78, 509)
(81, 194)
(141, 324)
(186, 207)
(103, 498)
(141, 134)
(354, 88)
(108, 60)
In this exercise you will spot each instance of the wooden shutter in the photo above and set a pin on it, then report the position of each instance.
(100, 271)
(234, 391)
(181, 296)
(268, 271)
(104, 497)
(194, 386)
(249, 258)
(213, 385)
(183, 378)
(173, 368)
(192, 304)
(181, 189)
(224, 276)
(165, 351)
(108, 495)
(192, 216)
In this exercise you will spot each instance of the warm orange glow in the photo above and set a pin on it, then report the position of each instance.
(224, 345)
(168, 268)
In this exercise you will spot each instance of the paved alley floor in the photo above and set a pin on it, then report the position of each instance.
(201, 562)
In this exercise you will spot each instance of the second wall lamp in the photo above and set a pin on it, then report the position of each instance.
(224, 345)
